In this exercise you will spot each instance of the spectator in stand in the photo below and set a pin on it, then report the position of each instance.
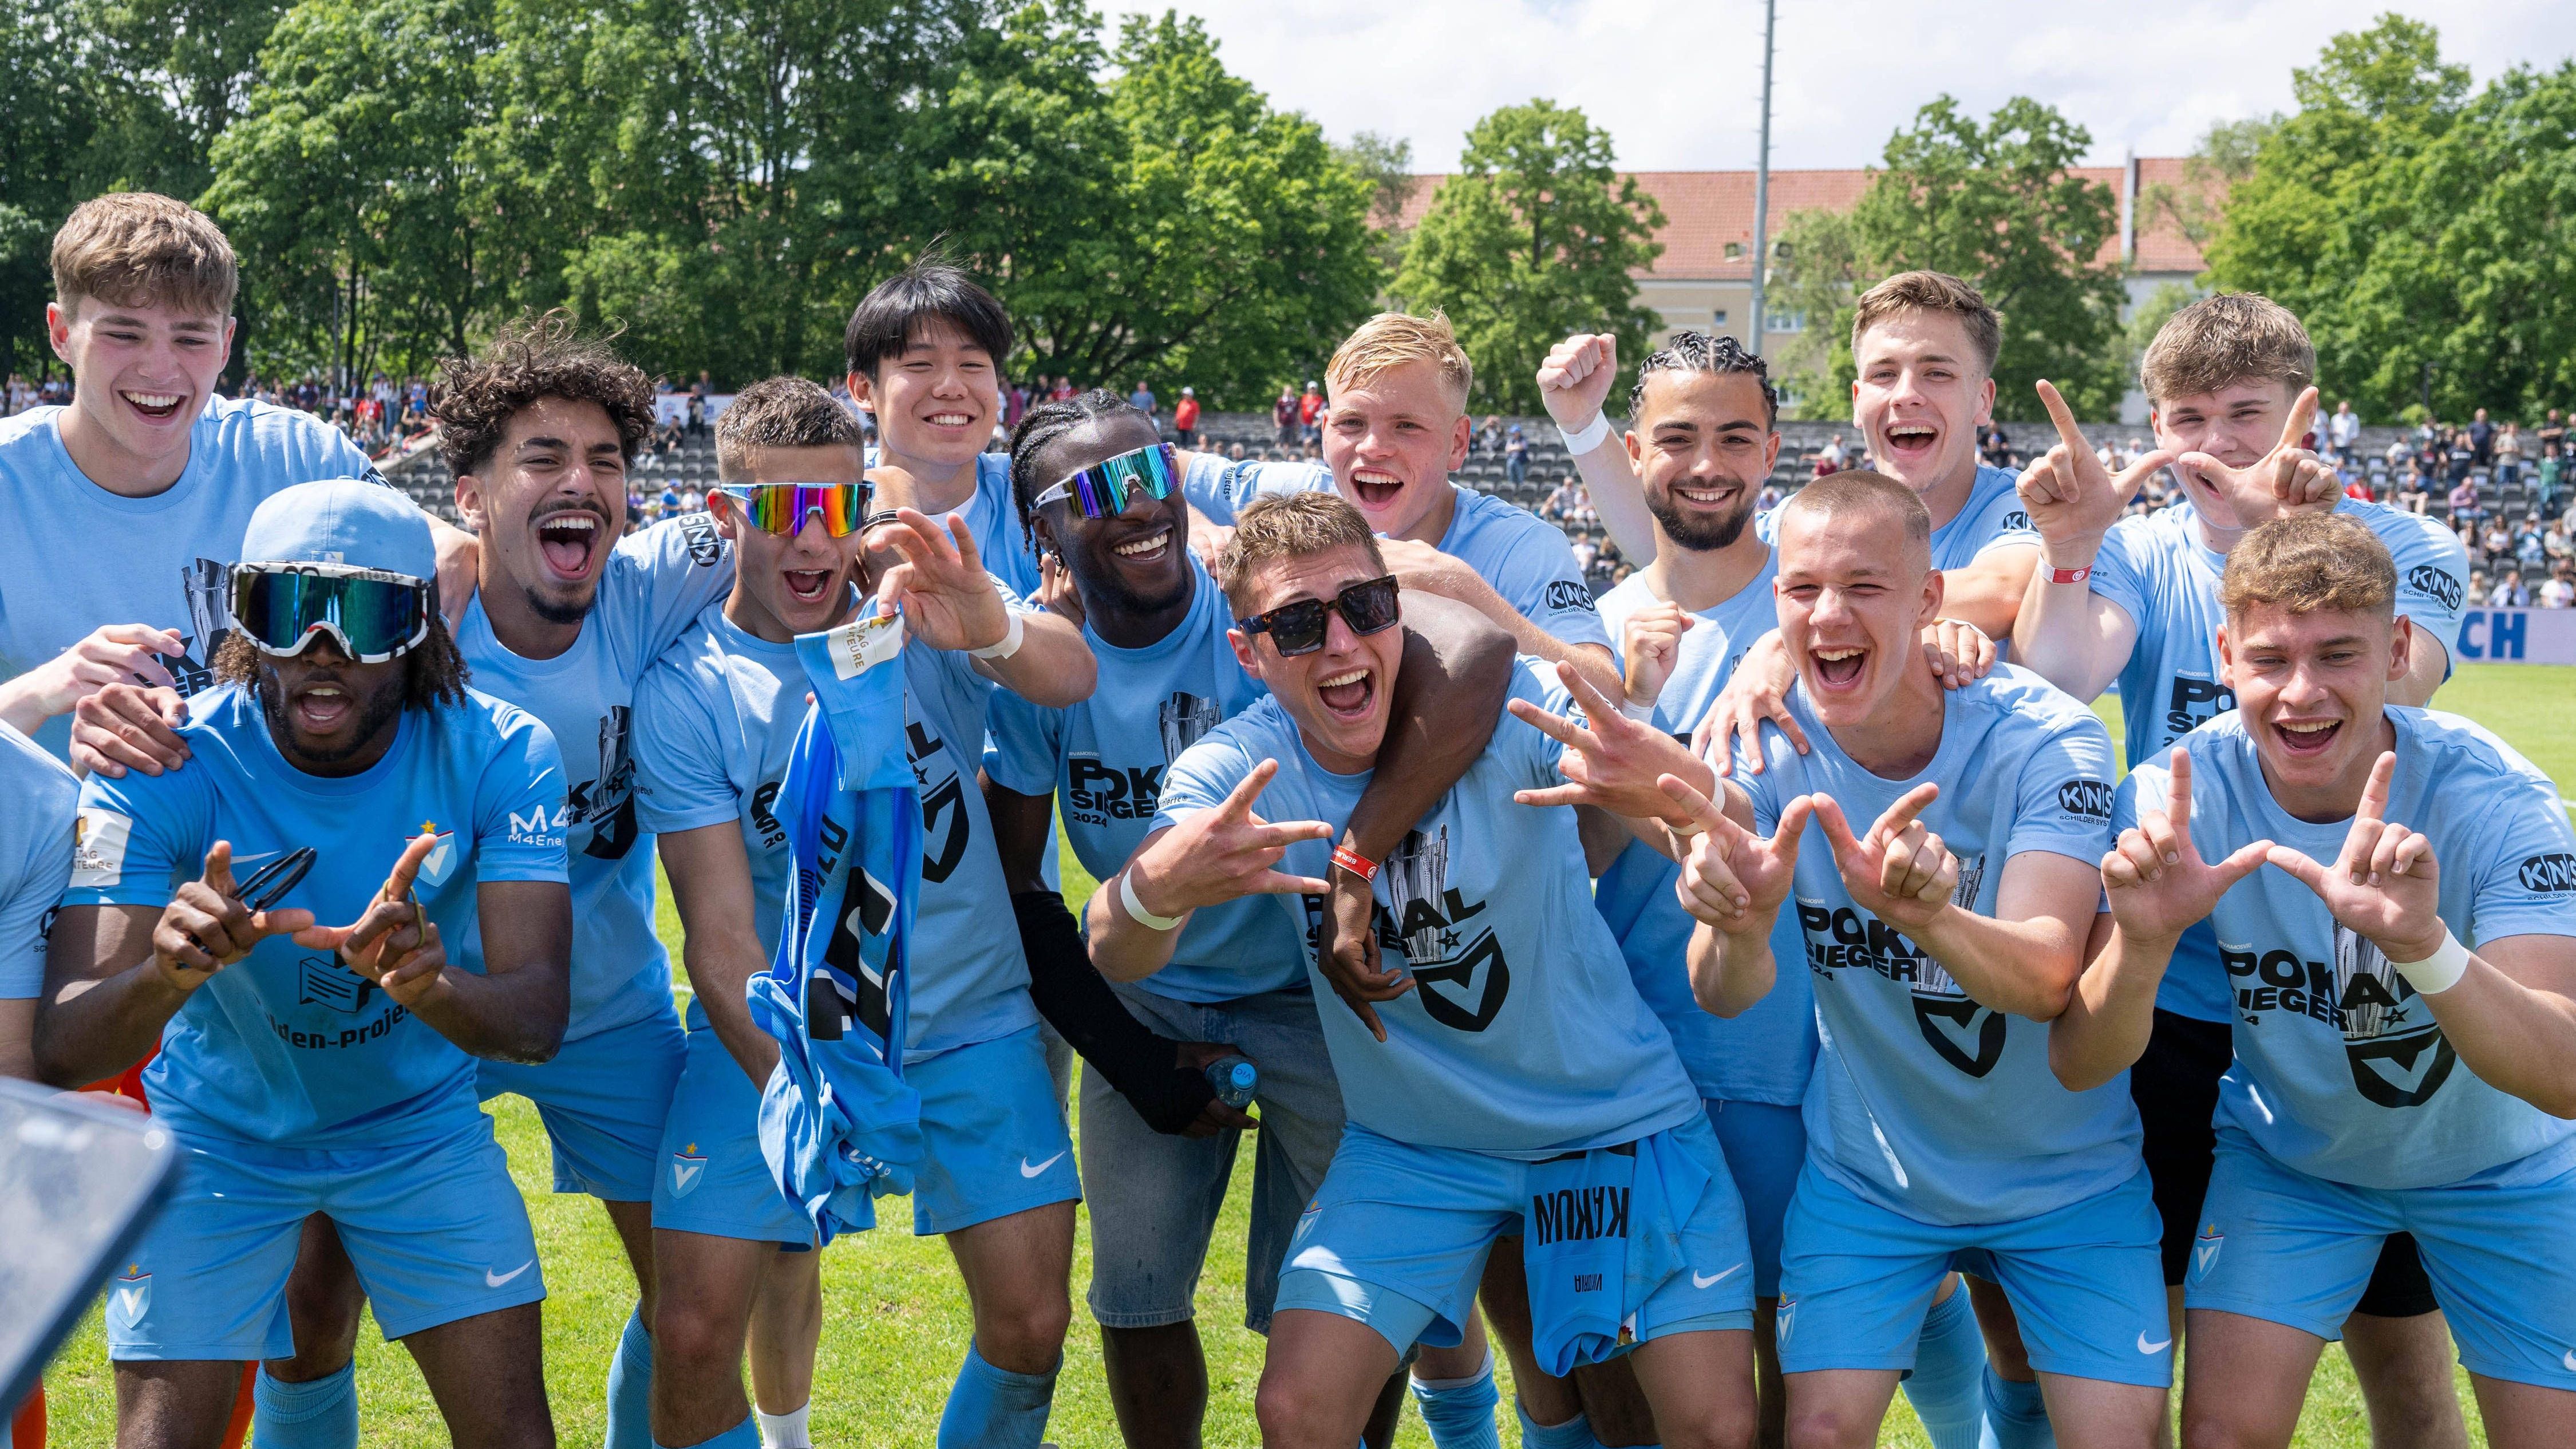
(2545, 477)
(1185, 418)
(1014, 404)
(2465, 507)
(1234, 452)
(2343, 431)
(2496, 541)
(1283, 418)
(1310, 418)
(2356, 487)
(2508, 455)
(1834, 451)
(2529, 548)
(2509, 592)
(2398, 454)
(2558, 591)
(1489, 435)
(1770, 498)
(1825, 466)
(1142, 400)
(2481, 439)
(1516, 453)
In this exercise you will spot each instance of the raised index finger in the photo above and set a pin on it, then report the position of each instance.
(2178, 796)
(219, 868)
(1238, 803)
(1902, 813)
(2303, 416)
(2064, 417)
(2374, 791)
(407, 868)
(1704, 812)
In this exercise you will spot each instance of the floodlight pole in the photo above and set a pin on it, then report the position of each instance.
(1762, 189)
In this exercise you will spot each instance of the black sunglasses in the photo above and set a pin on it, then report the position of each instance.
(1298, 628)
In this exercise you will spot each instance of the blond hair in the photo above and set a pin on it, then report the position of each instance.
(140, 249)
(1289, 525)
(780, 412)
(1933, 292)
(1392, 339)
(2310, 563)
(2229, 338)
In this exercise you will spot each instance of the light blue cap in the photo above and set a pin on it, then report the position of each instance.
(342, 521)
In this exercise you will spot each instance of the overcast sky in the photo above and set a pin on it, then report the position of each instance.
(1678, 82)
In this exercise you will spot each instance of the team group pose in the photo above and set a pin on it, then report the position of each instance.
(1730, 1000)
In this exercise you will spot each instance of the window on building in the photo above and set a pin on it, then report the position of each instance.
(1734, 250)
(1718, 317)
(1785, 321)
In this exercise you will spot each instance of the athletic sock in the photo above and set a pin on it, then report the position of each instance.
(785, 1431)
(2016, 1417)
(1574, 1433)
(322, 1414)
(740, 1436)
(994, 1408)
(1459, 1413)
(630, 1387)
(1946, 1387)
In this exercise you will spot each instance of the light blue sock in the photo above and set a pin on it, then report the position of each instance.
(1574, 1433)
(993, 1408)
(320, 1415)
(1946, 1386)
(744, 1435)
(1459, 1413)
(630, 1387)
(2015, 1416)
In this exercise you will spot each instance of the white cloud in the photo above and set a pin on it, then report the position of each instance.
(1677, 82)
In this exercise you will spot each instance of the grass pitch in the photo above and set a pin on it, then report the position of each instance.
(895, 1316)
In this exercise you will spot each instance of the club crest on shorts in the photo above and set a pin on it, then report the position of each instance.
(2204, 1251)
(688, 1169)
(1784, 1319)
(129, 1296)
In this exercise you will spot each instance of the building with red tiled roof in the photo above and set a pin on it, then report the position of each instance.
(1704, 278)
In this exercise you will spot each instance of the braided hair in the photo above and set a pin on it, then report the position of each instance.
(1699, 352)
(1045, 423)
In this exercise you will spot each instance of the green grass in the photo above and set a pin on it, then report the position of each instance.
(896, 1318)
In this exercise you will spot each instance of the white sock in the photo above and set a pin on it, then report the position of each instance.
(784, 1431)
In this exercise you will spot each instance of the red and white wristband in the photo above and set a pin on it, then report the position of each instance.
(2070, 576)
(1356, 863)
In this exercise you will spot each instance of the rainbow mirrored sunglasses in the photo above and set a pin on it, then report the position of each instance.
(373, 614)
(782, 508)
(1102, 490)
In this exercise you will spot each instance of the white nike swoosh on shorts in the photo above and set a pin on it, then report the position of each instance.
(495, 1280)
(2151, 1348)
(1713, 1279)
(1040, 1169)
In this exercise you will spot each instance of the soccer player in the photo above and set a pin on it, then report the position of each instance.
(2387, 1076)
(716, 720)
(1939, 940)
(318, 1069)
(2136, 599)
(147, 455)
(1158, 624)
(1522, 1077)
(38, 802)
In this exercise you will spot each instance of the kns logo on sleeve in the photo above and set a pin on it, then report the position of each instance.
(2435, 582)
(1569, 594)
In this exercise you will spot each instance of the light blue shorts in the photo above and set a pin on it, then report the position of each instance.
(1766, 1148)
(993, 1135)
(713, 1178)
(2282, 1246)
(1398, 1238)
(604, 1099)
(436, 1229)
(2086, 1282)
(1155, 1198)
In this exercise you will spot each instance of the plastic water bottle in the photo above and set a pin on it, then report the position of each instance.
(1234, 1079)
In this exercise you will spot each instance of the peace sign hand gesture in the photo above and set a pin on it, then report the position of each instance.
(1610, 761)
(946, 598)
(2071, 498)
(1900, 872)
(391, 943)
(1218, 855)
(1730, 876)
(2385, 886)
(2154, 877)
(2282, 481)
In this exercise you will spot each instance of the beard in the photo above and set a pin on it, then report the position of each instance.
(1111, 588)
(382, 708)
(1700, 532)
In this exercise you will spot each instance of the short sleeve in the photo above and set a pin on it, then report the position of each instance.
(680, 777)
(1221, 489)
(1205, 774)
(34, 888)
(2120, 569)
(1532, 751)
(2526, 885)
(2432, 578)
(1023, 745)
(519, 806)
(1538, 576)
(135, 834)
(2065, 794)
(670, 573)
(1757, 785)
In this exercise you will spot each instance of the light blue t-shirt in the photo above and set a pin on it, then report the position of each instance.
(94, 558)
(992, 514)
(1767, 1053)
(39, 800)
(2160, 573)
(1993, 518)
(286, 1046)
(2340, 1070)
(1524, 557)
(1104, 760)
(1523, 1035)
(1926, 1101)
(655, 585)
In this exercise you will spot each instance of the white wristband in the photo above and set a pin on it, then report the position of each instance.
(2440, 971)
(1136, 911)
(1578, 444)
(1641, 713)
(1009, 645)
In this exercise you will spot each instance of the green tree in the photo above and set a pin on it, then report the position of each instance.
(1386, 164)
(1819, 266)
(2423, 232)
(1538, 235)
(52, 120)
(1996, 203)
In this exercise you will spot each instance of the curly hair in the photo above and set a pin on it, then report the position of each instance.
(434, 672)
(527, 361)
(1716, 356)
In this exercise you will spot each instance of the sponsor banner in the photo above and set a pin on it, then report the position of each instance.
(2517, 636)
